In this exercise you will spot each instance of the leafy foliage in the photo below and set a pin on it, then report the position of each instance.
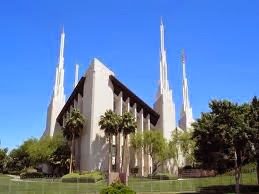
(153, 144)
(117, 188)
(3, 159)
(29, 175)
(182, 142)
(30, 153)
(86, 177)
(48, 144)
(223, 137)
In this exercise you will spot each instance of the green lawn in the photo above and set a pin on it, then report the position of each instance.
(50, 186)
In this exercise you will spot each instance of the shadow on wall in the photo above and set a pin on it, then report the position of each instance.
(100, 153)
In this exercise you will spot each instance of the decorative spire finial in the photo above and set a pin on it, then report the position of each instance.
(161, 21)
(183, 56)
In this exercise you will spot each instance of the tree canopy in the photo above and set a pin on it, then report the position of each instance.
(223, 137)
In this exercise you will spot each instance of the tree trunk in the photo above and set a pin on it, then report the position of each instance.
(110, 150)
(71, 155)
(257, 171)
(123, 153)
(237, 175)
(117, 154)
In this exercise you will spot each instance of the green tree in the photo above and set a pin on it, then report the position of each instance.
(223, 135)
(48, 144)
(19, 158)
(128, 125)
(3, 158)
(60, 158)
(182, 142)
(254, 124)
(154, 145)
(110, 123)
(72, 130)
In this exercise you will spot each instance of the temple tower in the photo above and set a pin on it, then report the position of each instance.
(186, 118)
(164, 104)
(58, 98)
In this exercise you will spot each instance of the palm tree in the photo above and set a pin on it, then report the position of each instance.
(72, 130)
(128, 125)
(110, 122)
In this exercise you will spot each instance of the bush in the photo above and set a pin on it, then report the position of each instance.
(248, 168)
(14, 172)
(85, 177)
(162, 176)
(28, 175)
(117, 188)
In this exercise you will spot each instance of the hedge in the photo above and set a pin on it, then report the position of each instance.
(117, 188)
(28, 175)
(162, 176)
(13, 172)
(248, 168)
(85, 177)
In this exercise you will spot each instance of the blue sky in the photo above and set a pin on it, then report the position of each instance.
(221, 39)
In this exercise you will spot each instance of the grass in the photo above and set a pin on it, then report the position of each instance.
(55, 186)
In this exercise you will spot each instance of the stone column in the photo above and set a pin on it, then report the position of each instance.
(79, 103)
(134, 112)
(140, 152)
(127, 154)
(76, 103)
(147, 158)
(118, 110)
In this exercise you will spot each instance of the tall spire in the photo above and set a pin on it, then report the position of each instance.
(61, 50)
(163, 83)
(59, 81)
(185, 85)
(76, 75)
(164, 104)
(58, 98)
(186, 112)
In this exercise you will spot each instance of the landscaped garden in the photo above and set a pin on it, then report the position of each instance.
(223, 142)
(56, 186)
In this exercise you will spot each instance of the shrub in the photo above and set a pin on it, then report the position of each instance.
(14, 172)
(117, 188)
(248, 168)
(85, 177)
(162, 176)
(27, 175)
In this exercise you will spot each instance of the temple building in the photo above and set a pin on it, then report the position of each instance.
(99, 90)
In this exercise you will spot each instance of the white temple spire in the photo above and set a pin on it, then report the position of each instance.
(59, 81)
(61, 50)
(58, 98)
(186, 112)
(76, 75)
(164, 104)
(163, 83)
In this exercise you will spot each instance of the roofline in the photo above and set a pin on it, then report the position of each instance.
(119, 86)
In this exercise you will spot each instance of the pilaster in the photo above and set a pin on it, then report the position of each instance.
(141, 151)
(118, 110)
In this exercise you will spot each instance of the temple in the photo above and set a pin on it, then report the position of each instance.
(99, 90)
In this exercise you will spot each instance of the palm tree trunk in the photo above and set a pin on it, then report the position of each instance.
(126, 155)
(123, 153)
(110, 150)
(71, 156)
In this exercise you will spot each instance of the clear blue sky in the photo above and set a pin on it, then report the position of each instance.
(221, 39)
